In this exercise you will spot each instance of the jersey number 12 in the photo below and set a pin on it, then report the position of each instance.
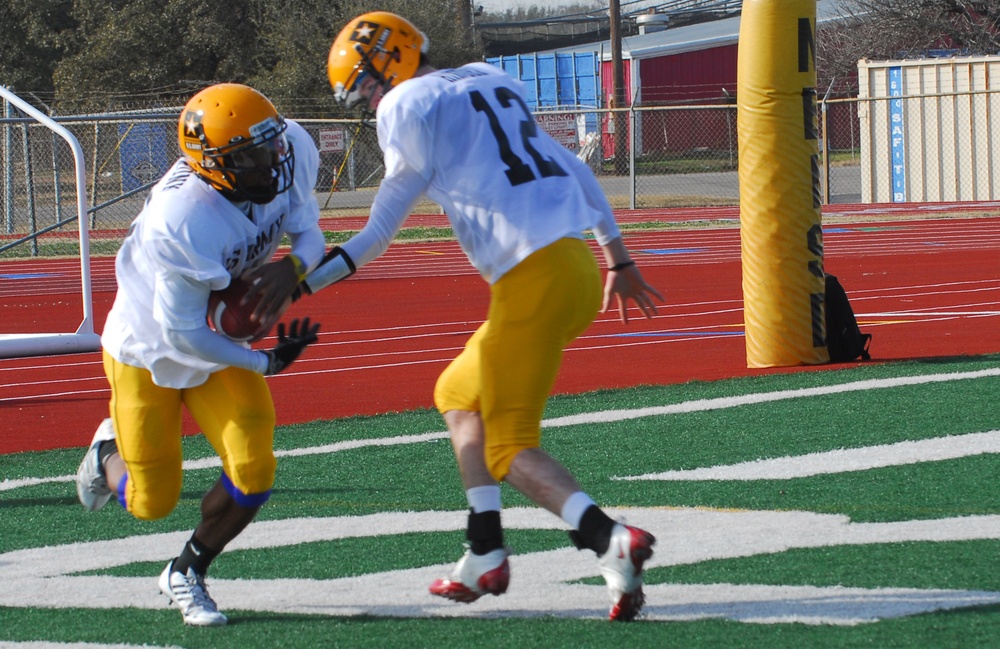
(518, 171)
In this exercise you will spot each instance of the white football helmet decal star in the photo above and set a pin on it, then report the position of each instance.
(364, 32)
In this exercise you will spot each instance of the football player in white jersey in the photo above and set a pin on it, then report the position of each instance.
(519, 204)
(245, 179)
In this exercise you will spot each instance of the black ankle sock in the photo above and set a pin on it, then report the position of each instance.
(595, 531)
(105, 449)
(195, 555)
(484, 533)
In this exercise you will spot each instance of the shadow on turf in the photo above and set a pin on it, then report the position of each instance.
(36, 502)
(71, 500)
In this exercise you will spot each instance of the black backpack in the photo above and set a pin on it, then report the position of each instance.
(844, 339)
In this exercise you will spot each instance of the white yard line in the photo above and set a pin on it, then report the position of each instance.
(842, 460)
(543, 583)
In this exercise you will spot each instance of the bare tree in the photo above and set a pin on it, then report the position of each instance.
(898, 29)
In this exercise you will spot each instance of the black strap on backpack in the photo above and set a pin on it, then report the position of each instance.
(844, 339)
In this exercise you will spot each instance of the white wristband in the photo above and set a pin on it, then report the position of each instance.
(334, 267)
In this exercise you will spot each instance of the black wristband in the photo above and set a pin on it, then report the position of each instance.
(622, 266)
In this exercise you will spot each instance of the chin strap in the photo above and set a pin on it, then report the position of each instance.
(335, 266)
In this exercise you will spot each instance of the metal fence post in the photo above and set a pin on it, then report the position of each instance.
(29, 188)
(825, 143)
(57, 188)
(93, 186)
(631, 155)
(8, 169)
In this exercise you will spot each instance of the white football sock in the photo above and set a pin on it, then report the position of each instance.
(484, 499)
(573, 508)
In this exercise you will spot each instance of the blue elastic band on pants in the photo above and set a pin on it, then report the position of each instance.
(242, 499)
(121, 491)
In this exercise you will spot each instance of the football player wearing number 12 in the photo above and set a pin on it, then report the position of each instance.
(519, 203)
(245, 179)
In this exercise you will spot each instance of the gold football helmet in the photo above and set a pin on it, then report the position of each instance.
(378, 43)
(233, 137)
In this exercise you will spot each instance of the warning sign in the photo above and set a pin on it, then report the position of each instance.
(561, 127)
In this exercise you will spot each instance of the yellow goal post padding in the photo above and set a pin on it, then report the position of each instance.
(781, 235)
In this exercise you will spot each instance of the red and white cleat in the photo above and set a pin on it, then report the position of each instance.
(475, 575)
(621, 566)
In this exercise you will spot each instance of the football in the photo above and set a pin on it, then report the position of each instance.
(230, 318)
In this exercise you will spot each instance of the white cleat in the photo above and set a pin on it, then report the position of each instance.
(189, 593)
(475, 575)
(621, 566)
(91, 484)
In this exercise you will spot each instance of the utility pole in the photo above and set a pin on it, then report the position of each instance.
(464, 10)
(618, 88)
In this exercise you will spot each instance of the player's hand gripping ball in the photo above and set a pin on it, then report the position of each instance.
(230, 318)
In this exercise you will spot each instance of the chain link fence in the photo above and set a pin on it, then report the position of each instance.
(644, 157)
(125, 156)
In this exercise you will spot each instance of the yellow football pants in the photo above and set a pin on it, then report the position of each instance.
(234, 411)
(509, 365)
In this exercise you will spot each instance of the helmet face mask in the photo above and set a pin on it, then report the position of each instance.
(379, 44)
(233, 138)
(350, 98)
(256, 171)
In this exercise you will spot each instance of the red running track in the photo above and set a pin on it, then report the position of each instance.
(925, 288)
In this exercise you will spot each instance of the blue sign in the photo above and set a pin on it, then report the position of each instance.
(144, 152)
(897, 144)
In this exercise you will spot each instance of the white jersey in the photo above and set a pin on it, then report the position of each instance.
(466, 139)
(189, 235)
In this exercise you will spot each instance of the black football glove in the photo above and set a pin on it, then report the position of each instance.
(289, 347)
